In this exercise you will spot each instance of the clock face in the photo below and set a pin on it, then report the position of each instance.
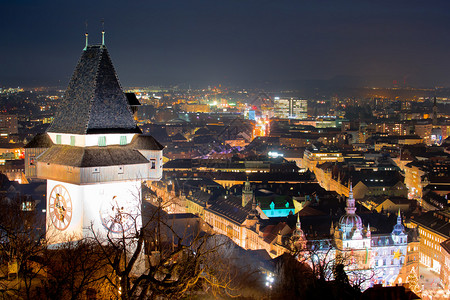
(60, 207)
(117, 214)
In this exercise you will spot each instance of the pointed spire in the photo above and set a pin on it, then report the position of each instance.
(350, 209)
(332, 228)
(253, 214)
(298, 225)
(399, 217)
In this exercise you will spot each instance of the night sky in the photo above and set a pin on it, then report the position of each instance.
(228, 41)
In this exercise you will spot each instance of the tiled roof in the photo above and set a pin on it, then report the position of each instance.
(41, 140)
(231, 207)
(446, 246)
(91, 156)
(145, 142)
(94, 101)
(436, 221)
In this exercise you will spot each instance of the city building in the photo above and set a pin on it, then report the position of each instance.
(313, 156)
(434, 229)
(290, 108)
(382, 254)
(8, 125)
(445, 270)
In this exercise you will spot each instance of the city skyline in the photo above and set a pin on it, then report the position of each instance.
(234, 42)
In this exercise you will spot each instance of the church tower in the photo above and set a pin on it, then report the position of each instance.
(298, 237)
(350, 235)
(247, 193)
(98, 159)
(434, 112)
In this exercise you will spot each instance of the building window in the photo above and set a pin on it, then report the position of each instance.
(123, 140)
(102, 141)
(27, 206)
(153, 164)
(120, 171)
(95, 170)
(72, 141)
(58, 139)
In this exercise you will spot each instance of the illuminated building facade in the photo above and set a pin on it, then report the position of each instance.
(8, 125)
(434, 229)
(445, 268)
(312, 157)
(290, 108)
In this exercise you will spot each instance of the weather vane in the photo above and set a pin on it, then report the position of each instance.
(103, 32)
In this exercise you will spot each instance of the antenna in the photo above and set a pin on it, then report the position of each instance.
(103, 32)
(86, 34)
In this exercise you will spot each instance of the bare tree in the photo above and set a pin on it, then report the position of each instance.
(21, 233)
(72, 269)
(156, 260)
(332, 274)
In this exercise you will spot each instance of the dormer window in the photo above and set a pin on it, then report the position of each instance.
(123, 140)
(58, 139)
(72, 141)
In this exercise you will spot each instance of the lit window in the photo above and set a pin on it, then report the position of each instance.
(102, 141)
(27, 206)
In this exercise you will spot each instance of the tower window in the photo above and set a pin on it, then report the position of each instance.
(58, 139)
(72, 141)
(102, 141)
(123, 140)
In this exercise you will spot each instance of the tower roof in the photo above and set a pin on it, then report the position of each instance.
(350, 220)
(94, 101)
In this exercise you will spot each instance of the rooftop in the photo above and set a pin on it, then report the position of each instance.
(94, 101)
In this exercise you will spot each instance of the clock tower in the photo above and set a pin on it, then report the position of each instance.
(99, 157)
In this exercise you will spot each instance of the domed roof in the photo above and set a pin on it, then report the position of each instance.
(350, 220)
(399, 229)
(298, 228)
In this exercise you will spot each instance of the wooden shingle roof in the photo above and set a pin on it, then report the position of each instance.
(94, 101)
(91, 156)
